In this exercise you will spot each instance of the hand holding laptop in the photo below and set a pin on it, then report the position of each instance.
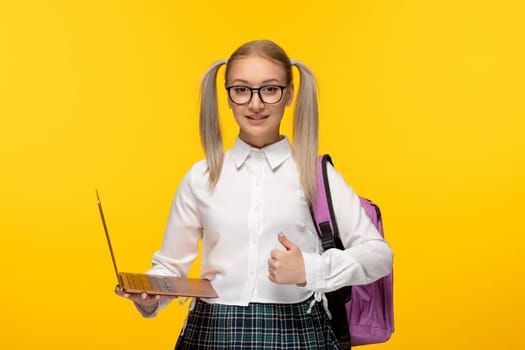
(147, 302)
(143, 299)
(147, 290)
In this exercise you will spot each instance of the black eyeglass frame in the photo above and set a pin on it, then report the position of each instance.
(228, 88)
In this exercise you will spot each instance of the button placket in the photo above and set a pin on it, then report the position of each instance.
(254, 164)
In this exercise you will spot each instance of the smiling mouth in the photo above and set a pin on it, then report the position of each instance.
(257, 117)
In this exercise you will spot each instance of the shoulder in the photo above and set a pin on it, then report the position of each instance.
(334, 176)
(199, 167)
(198, 175)
(338, 184)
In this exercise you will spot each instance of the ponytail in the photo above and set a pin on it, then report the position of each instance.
(210, 130)
(305, 130)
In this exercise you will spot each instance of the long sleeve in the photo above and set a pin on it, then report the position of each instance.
(367, 256)
(180, 245)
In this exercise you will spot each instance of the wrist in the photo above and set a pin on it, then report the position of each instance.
(147, 309)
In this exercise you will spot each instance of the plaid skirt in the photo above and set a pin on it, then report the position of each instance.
(257, 326)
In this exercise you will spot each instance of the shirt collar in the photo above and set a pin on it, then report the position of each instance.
(275, 154)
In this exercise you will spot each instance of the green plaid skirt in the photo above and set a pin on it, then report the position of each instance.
(257, 326)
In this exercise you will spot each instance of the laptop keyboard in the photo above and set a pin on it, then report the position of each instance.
(145, 282)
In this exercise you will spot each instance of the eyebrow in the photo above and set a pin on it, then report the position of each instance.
(264, 82)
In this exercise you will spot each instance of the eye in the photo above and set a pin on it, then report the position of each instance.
(270, 89)
(240, 90)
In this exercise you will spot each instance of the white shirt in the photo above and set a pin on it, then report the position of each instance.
(258, 195)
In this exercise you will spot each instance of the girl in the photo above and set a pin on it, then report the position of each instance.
(250, 207)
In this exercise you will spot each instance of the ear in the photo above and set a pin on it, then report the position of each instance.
(289, 98)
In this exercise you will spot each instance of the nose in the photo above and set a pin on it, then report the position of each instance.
(256, 103)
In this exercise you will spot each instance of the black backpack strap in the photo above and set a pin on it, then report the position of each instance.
(325, 160)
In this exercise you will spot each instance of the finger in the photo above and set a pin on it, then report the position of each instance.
(271, 268)
(119, 291)
(285, 242)
(271, 277)
(273, 264)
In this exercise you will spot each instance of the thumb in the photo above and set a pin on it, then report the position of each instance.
(284, 241)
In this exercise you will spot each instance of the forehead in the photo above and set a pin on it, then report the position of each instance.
(255, 70)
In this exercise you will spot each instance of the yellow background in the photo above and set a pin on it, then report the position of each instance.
(422, 109)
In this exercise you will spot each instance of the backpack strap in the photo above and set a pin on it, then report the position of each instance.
(323, 209)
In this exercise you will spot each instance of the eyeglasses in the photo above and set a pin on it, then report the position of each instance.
(268, 94)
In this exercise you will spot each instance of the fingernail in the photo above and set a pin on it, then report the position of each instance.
(281, 234)
(143, 296)
(126, 295)
(157, 297)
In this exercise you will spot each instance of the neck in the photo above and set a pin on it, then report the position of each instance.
(260, 142)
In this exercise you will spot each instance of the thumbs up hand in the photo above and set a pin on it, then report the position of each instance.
(286, 266)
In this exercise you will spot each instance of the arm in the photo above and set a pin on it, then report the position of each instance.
(179, 248)
(367, 256)
(183, 231)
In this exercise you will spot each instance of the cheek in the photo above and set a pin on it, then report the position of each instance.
(279, 110)
(237, 113)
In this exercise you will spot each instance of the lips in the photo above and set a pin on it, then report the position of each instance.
(257, 117)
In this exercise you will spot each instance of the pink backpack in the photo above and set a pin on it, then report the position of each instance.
(360, 314)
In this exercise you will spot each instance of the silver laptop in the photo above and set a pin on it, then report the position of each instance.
(156, 284)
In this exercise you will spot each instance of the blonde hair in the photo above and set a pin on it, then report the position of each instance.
(305, 127)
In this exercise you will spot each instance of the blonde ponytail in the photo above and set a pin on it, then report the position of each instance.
(305, 130)
(210, 131)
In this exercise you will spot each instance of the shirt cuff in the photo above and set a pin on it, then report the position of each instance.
(316, 270)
